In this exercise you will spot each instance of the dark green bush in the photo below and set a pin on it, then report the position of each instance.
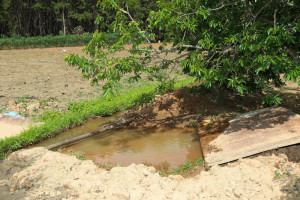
(18, 42)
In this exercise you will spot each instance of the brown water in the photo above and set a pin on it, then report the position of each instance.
(90, 125)
(142, 145)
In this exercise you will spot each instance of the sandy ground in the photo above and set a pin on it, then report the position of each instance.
(8, 129)
(10, 126)
(41, 174)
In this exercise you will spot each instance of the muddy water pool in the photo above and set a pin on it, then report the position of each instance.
(142, 145)
(155, 146)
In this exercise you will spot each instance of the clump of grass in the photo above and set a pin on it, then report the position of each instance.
(22, 99)
(277, 175)
(188, 167)
(78, 154)
(57, 121)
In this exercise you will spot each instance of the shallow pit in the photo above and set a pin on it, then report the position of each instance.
(170, 147)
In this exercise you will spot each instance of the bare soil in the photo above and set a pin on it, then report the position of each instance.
(41, 174)
(41, 74)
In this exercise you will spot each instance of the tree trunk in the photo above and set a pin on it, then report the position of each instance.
(78, 138)
(63, 21)
(40, 24)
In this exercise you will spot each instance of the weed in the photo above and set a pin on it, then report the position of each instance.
(3, 155)
(189, 166)
(287, 173)
(44, 102)
(22, 99)
(278, 175)
(26, 166)
(26, 114)
(199, 162)
(78, 154)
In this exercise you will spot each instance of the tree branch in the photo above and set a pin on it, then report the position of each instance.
(172, 49)
(224, 5)
(145, 36)
(255, 17)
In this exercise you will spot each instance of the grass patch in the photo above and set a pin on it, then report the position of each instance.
(22, 99)
(78, 154)
(19, 42)
(188, 167)
(56, 122)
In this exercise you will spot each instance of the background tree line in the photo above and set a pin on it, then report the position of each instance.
(44, 17)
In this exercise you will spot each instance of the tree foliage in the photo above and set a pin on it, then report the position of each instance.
(244, 45)
(44, 17)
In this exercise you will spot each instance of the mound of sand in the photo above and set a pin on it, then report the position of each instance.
(41, 174)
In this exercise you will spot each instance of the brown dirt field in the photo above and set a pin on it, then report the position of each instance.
(41, 73)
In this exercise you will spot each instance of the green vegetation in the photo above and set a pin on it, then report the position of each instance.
(78, 154)
(188, 167)
(58, 121)
(244, 46)
(41, 18)
(277, 175)
(22, 99)
(44, 42)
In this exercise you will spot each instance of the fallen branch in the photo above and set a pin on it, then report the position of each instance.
(81, 137)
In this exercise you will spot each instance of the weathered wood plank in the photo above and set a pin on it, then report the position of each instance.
(253, 133)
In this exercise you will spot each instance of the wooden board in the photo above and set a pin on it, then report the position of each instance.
(252, 133)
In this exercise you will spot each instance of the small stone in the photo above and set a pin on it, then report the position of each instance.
(146, 172)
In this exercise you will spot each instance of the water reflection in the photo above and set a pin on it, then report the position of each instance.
(142, 145)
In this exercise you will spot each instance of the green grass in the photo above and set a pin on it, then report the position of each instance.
(56, 122)
(19, 42)
(22, 99)
(189, 166)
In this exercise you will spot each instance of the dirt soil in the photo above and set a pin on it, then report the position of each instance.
(40, 73)
(41, 174)
(210, 112)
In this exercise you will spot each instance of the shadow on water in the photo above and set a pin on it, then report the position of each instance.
(90, 125)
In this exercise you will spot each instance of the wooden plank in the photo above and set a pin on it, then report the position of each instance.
(253, 133)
